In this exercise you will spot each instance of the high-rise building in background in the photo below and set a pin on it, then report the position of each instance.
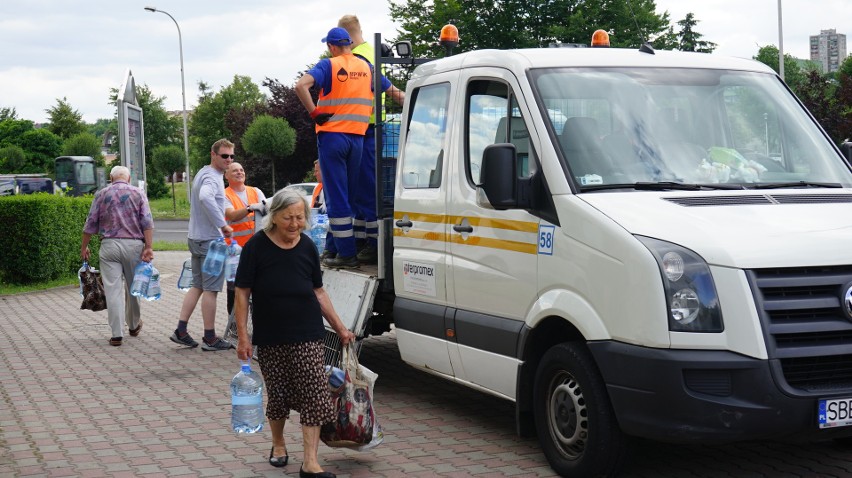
(828, 49)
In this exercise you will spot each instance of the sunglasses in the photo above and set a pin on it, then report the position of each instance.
(226, 156)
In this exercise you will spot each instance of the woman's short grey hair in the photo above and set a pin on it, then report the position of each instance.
(283, 199)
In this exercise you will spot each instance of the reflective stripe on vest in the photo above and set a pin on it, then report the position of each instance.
(244, 228)
(350, 99)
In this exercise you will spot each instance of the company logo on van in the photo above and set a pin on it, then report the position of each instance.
(847, 302)
(414, 269)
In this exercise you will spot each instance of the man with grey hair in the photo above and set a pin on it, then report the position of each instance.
(121, 215)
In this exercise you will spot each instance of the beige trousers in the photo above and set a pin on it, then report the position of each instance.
(118, 259)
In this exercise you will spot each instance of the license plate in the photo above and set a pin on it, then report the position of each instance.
(835, 412)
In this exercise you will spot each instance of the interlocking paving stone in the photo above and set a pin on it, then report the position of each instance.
(72, 405)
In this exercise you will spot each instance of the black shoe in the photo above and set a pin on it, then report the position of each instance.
(183, 340)
(341, 262)
(327, 255)
(216, 345)
(277, 461)
(321, 474)
(368, 255)
(135, 332)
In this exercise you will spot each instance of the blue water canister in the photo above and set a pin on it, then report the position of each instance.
(141, 278)
(247, 401)
(153, 292)
(217, 252)
(233, 261)
(185, 280)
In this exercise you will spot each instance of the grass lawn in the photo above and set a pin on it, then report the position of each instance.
(165, 208)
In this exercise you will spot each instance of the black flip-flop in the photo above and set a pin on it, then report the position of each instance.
(277, 461)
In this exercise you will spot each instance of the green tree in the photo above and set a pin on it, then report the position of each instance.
(103, 126)
(270, 137)
(208, 120)
(12, 159)
(84, 144)
(166, 160)
(41, 147)
(64, 121)
(691, 40)
(525, 23)
(11, 131)
(793, 74)
(8, 114)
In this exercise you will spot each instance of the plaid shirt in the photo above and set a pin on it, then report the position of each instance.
(119, 211)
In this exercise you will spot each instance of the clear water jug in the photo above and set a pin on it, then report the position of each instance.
(233, 261)
(217, 251)
(141, 279)
(319, 229)
(185, 280)
(153, 292)
(247, 400)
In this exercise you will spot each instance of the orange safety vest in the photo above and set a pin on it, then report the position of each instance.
(350, 98)
(315, 195)
(244, 228)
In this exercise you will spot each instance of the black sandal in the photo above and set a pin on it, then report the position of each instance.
(277, 461)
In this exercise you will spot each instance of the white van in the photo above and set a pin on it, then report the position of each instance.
(623, 243)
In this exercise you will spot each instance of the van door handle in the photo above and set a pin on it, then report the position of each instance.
(402, 223)
(461, 228)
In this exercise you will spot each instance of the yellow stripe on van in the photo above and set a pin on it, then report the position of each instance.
(502, 244)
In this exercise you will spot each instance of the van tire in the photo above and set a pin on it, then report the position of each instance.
(574, 420)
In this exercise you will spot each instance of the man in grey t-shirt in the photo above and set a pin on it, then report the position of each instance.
(206, 223)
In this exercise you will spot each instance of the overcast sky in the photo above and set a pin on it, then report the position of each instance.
(79, 49)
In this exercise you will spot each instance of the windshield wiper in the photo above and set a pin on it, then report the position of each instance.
(796, 184)
(660, 186)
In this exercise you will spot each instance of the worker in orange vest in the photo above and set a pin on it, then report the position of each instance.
(246, 204)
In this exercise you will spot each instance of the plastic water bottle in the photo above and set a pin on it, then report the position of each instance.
(319, 228)
(80, 275)
(216, 253)
(153, 292)
(247, 400)
(233, 261)
(141, 279)
(185, 280)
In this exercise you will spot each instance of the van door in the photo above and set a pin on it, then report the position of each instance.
(492, 254)
(420, 228)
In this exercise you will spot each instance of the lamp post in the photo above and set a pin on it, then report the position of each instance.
(183, 94)
(780, 44)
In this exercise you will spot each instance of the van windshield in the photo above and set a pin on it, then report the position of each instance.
(85, 173)
(719, 128)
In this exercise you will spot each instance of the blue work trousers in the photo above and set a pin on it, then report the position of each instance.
(340, 162)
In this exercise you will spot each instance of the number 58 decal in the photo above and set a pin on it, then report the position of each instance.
(545, 239)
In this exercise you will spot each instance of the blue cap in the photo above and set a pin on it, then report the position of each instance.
(337, 36)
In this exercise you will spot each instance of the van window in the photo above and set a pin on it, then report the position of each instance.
(718, 128)
(493, 117)
(424, 144)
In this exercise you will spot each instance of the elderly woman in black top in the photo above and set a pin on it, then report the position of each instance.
(280, 269)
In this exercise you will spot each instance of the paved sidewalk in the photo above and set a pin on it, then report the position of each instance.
(72, 405)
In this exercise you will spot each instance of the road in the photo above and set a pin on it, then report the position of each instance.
(171, 230)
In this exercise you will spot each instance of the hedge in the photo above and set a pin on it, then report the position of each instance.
(41, 235)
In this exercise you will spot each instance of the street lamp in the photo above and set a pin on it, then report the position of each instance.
(780, 44)
(183, 94)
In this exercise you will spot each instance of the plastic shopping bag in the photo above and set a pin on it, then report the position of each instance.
(355, 423)
(94, 297)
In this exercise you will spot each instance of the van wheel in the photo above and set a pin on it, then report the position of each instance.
(574, 420)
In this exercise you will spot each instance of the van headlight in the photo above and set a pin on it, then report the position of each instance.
(690, 293)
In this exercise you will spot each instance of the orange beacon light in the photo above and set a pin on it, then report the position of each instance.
(600, 39)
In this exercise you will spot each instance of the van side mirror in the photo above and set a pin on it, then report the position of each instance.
(499, 176)
(846, 149)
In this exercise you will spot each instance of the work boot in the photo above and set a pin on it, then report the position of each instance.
(368, 255)
(340, 262)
